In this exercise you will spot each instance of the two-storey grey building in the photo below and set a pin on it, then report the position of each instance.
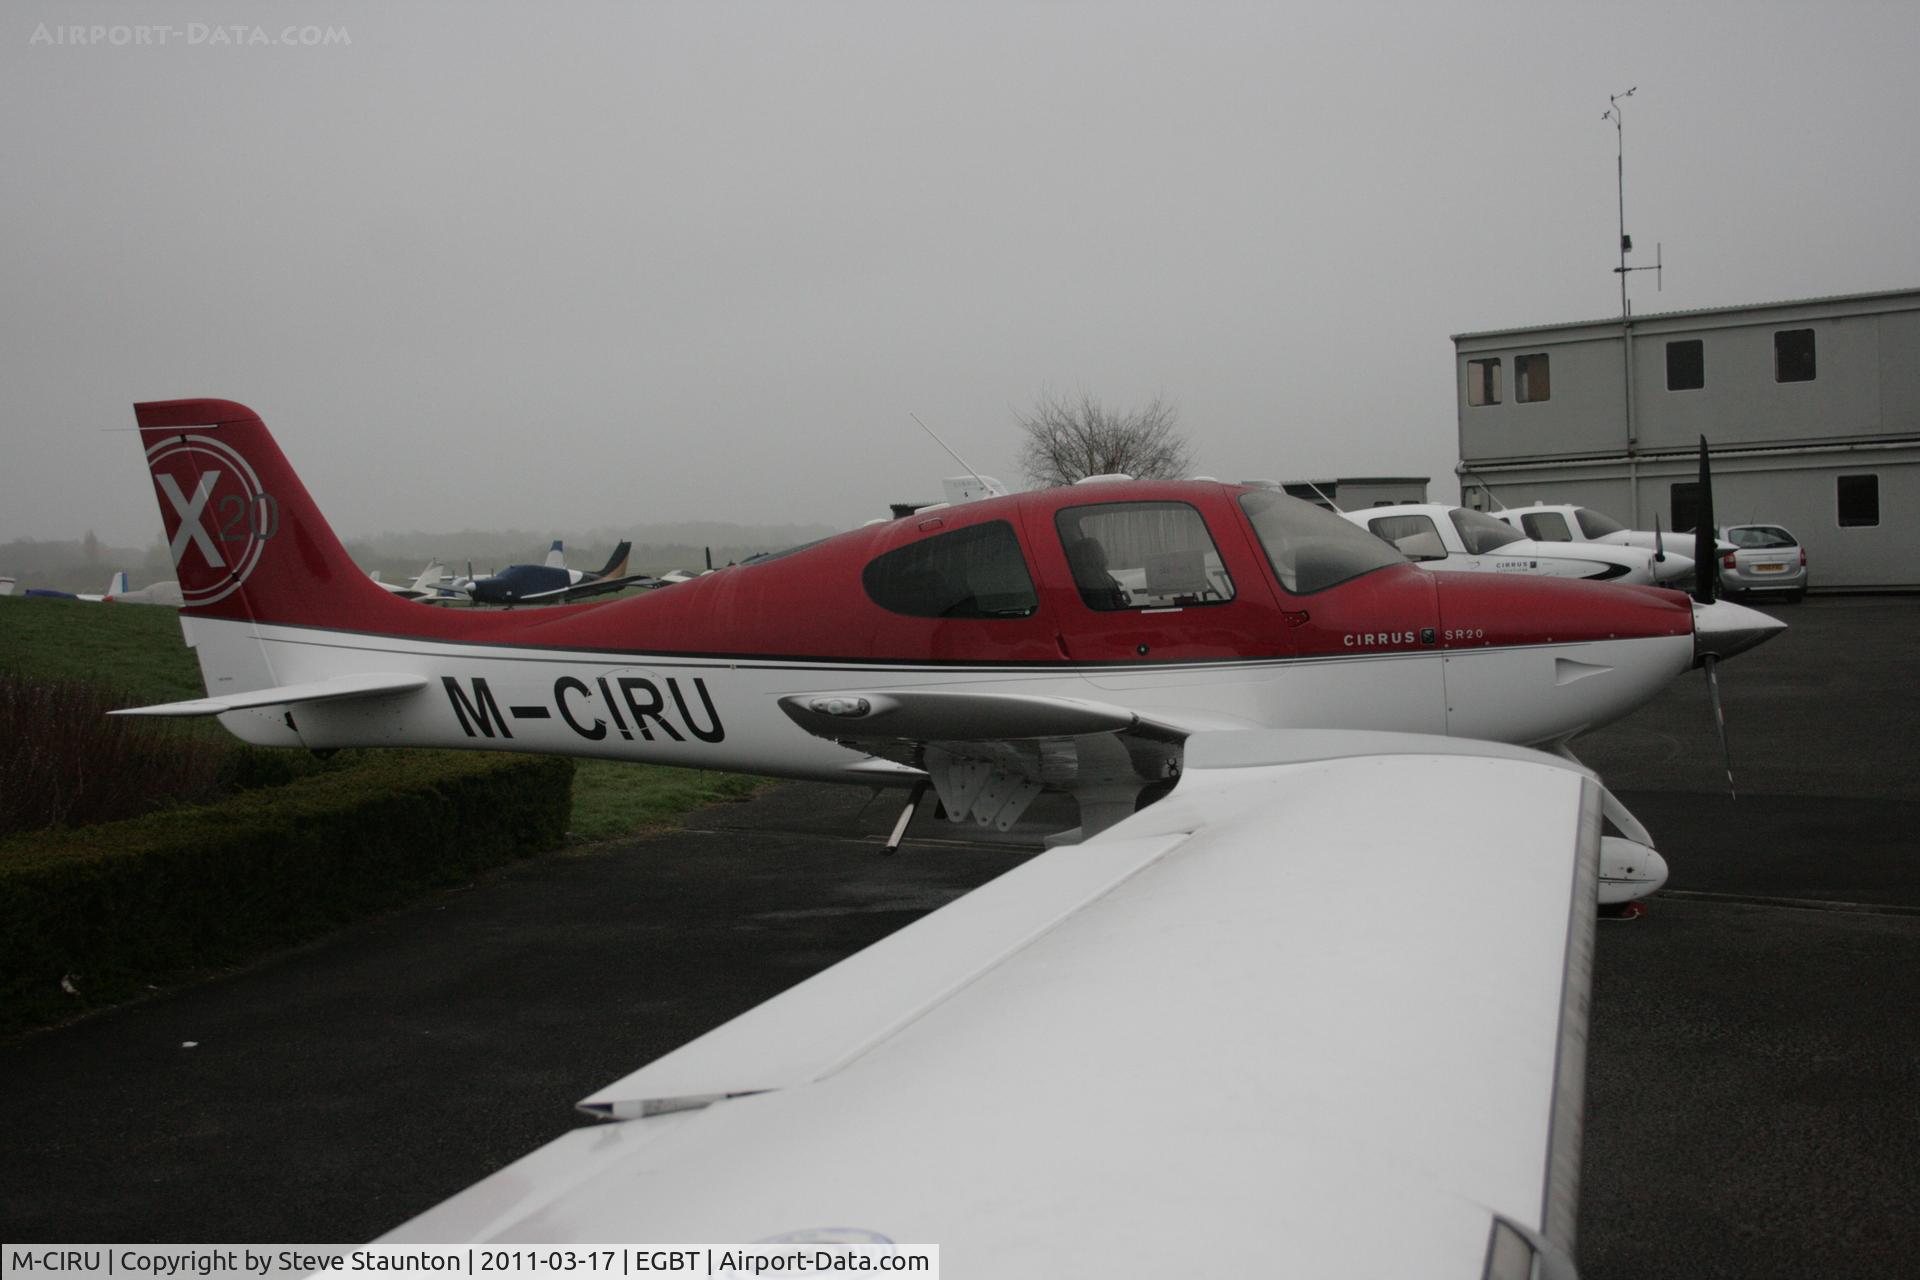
(1812, 409)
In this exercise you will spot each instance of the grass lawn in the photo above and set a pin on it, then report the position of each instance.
(612, 798)
(136, 650)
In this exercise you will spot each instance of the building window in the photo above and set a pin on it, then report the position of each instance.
(1686, 365)
(1858, 501)
(1483, 382)
(1530, 381)
(1793, 355)
(1683, 506)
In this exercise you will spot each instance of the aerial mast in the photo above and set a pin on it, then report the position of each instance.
(1614, 113)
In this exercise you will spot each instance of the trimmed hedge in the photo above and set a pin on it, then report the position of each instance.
(111, 908)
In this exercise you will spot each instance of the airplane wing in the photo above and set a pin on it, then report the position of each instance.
(336, 689)
(601, 586)
(591, 587)
(990, 754)
(1321, 1011)
(906, 716)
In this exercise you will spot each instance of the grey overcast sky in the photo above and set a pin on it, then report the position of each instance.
(582, 265)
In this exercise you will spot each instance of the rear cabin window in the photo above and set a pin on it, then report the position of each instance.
(1412, 536)
(1546, 526)
(976, 572)
(1310, 549)
(1142, 555)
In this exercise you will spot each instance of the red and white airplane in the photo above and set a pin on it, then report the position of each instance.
(1334, 971)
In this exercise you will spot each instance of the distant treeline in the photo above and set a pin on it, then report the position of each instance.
(656, 547)
(86, 564)
(82, 564)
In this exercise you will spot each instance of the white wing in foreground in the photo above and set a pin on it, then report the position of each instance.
(1321, 1011)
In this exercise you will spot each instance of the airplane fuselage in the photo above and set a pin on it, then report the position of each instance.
(517, 582)
(1489, 675)
(1072, 638)
(1202, 605)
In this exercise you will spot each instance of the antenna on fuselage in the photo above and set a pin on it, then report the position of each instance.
(984, 485)
(1336, 507)
(1485, 488)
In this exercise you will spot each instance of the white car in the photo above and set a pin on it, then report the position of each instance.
(1437, 536)
(1563, 522)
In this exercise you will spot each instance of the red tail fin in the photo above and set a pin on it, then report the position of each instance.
(246, 538)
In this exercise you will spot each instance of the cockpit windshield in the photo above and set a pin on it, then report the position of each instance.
(1595, 525)
(1311, 549)
(1481, 533)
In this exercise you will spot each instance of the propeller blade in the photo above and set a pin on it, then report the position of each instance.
(1659, 542)
(1720, 721)
(1706, 547)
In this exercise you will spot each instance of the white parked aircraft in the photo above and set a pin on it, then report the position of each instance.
(116, 586)
(117, 592)
(425, 585)
(1564, 522)
(1437, 536)
(1305, 1000)
(161, 593)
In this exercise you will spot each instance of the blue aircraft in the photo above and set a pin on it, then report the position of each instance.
(553, 582)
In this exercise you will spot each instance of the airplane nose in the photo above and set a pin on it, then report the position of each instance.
(1673, 568)
(1723, 628)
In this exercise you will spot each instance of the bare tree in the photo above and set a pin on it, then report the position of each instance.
(1071, 438)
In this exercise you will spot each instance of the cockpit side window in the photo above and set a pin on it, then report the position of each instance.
(1311, 549)
(1142, 555)
(976, 572)
(1546, 526)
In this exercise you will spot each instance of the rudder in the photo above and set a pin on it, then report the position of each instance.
(246, 538)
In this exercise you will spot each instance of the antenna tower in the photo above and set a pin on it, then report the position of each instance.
(1613, 113)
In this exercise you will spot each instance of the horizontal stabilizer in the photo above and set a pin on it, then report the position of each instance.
(339, 688)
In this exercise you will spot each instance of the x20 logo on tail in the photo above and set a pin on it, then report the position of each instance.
(218, 518)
